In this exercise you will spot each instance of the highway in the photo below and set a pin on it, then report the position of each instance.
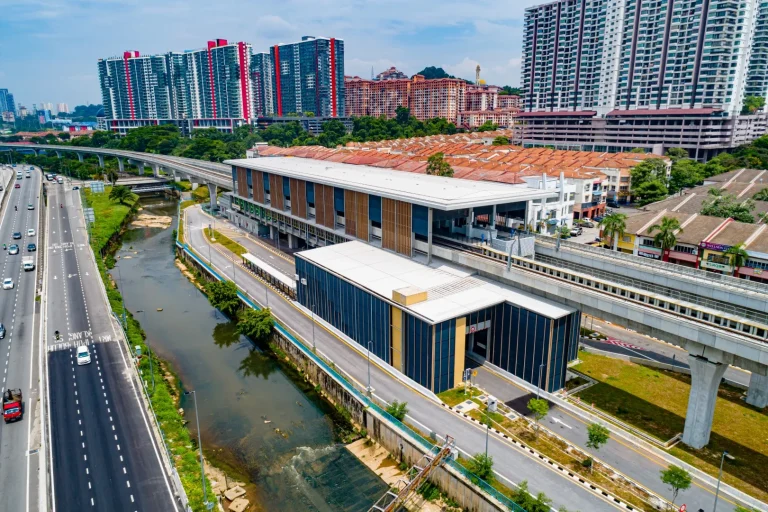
(19, 350)
(512, 463)
(104, 456)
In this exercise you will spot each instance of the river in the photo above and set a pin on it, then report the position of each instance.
(253, 417)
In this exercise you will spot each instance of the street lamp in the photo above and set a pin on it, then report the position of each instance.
(538, 390)
(720, 476)
(369, 390)
(209, 506)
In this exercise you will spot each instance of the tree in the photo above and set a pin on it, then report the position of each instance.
(437, 166)
(257, 324)
(752, 104)
(614, 226)
(112, 176)
(597, 436)
(676, 154)
(333, 133)
(714, 191)
(402, 115)
(481, 465)
(398, 409)
(65, 136)
(637, 150)
(738, 255)
(727, 205)
(540, 408)
(762, 195)
(686, 173)
(539, 503)
(650, 192)
(488, 126)
(223, 296)
(120, 193)
(500, 141)
(648, 170)
(514, 91)
(434, 73)
(666, 238)
(677, 479)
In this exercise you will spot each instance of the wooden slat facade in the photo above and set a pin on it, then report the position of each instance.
(242, 182)
(258, 186)
(388, 223)
(362, 216)
(403, 228)
(356, 214)
(276, 192)
(325, 212)
(298, 198)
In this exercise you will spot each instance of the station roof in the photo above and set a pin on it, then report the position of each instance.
(452, 291)
(431, 191)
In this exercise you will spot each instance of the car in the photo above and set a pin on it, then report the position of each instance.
(31, 247)
(576, 231)
(7, 283)
(83, 356)
(2, 331)
(16, 235)
(30, 232)
(30, 206)
(75, 188)
(599, 218)
(13, 249)
(17, 186)
(613, 204)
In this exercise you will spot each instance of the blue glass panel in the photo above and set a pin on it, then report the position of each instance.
(286, 187)
(374, 208)
(248, 177)
(310, 192)
(266, 181)
(419, 220)
(338, 200)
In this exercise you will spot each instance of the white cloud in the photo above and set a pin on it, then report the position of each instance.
(273, 26)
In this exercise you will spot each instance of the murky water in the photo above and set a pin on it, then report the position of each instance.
(264, 424)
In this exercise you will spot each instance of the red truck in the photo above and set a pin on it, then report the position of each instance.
(12, 405)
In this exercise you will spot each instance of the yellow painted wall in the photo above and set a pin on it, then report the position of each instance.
(461, 348)
(627, 246)
(397, 338)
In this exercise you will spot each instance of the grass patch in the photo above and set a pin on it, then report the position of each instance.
(201, 194)
(227, 242)
(655, 401)
(455, 396)
(186, 204)
(110, 218)
(184, 186)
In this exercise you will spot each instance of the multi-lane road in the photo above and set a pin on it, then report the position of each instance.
(104, 455)
(19, 350)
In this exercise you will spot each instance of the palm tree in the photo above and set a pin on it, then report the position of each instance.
(120, 193)
(111, 175)
(614, 226)
(667, 235)
(739, 257)
(762, 195)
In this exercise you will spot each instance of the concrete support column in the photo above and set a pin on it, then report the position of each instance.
(156, 170)
(705, 379)
(757, 395)
(429, 236)
(80, 156)
(120, 164)
(36, 152)
(58, 154)
(212, 192)
(291, 241)
(101, 160)
(140, 165)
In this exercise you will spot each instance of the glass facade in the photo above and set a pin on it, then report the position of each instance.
(418, 350)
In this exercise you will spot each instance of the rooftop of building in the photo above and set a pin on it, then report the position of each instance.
(741, 176)
(451, 291)
(735, 233)
(432, 191)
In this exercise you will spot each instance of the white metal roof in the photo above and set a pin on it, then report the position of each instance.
(270, 270)
(431, 191)
(451, 291)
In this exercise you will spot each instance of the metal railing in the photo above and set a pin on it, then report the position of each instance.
(344, 383)
(695, 273)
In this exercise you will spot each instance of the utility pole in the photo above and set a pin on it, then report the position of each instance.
(209, 506)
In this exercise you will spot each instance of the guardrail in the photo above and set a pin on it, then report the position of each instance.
(660, 265)
(344, 383)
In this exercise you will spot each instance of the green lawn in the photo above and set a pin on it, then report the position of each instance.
(656, 401)
(227, 242)
(109, 215)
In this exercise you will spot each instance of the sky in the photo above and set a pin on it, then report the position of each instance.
(49, 48)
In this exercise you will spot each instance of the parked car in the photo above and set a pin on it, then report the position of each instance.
(75, 188)
(576, 231)
(599, 218)
(613, 204)
(587, 223)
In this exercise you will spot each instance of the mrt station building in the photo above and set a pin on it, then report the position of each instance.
(370, 232)
(425, 319)
(313, 203)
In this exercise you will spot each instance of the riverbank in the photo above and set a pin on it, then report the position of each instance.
(112, 220)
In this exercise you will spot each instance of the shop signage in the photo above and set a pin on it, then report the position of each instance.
(235, 206)
(648, 254)
(716, 266)
(714, 247)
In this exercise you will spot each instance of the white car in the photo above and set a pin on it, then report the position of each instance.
(83, 356)
(30, 232)
(7, 283)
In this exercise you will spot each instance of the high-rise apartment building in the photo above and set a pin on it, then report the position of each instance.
(376, 97)
(444, 97)
(308, 76)
(135, 87)
(178, 77)
(7, 104)
(262, 85)
(391, 74)
(631, 73)
(482, 97)
(62, 108)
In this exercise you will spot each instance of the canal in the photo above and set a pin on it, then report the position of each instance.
(253, 417)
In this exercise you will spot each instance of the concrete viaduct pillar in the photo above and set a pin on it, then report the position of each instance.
(36, 152)
(757, 395)
(120, 164)
(58, 154)
(706, 376)
(140, 165)
(101, 160)
(80, 156)
(156, 170)
(212, 192)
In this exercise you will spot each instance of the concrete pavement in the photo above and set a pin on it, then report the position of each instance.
(20, 459)
(104, 455)
(511, 463)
